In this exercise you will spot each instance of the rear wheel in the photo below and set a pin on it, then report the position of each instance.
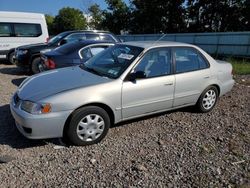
(207, 99)
(88, 125)
(35, 65)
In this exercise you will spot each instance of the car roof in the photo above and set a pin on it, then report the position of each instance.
(76, 45)
(150, 44)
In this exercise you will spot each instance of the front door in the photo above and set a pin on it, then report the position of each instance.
(153, 92)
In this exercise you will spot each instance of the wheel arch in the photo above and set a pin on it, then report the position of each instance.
(10, 51)
(34, 56)
(217, 87)
(97, 104)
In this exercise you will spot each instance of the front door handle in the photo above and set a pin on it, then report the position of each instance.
(206, 77)
(168, 84)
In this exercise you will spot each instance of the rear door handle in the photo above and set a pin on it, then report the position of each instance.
(206, 77)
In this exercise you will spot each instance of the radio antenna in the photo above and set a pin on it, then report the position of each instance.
(160, 38)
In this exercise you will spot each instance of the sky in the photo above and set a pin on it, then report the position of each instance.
(47, 6)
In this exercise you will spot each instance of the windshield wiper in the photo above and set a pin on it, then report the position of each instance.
(89, 69)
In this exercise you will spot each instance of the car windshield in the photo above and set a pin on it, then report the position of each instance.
(113, 61)
(56, 38)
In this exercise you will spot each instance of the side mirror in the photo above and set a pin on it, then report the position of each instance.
(137, 75)
(63, 41)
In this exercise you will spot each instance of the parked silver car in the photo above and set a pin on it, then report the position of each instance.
(126, 81)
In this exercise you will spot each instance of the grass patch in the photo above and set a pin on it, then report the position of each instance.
(240, 66)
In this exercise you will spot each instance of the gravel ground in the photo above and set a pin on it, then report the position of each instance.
(174, 149)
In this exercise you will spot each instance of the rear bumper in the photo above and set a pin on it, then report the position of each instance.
(39, 126)
(21, 60)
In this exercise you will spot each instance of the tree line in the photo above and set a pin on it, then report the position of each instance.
(156, 16)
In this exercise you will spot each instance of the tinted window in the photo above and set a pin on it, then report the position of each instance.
(5, 30)
(27, 30)
(56, 38)
(85, 54)
(107, 38)
(156, 62)
(188, 59)
(90, 36)
(75, 37)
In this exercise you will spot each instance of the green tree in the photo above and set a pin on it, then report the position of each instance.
(96, 17)
(69, 19)
(117, 17)
(50, 23)
(217, 16)
(158, 16)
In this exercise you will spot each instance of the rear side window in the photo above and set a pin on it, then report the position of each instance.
(75, 37)
(90, 36)
(27, 30)
(188, 59)
(107, 38)
(5, 30)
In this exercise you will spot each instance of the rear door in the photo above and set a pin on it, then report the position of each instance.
(192, 75)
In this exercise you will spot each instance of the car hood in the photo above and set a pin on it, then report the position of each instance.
(49, 83)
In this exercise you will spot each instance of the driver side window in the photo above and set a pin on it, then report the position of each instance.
(155, 63)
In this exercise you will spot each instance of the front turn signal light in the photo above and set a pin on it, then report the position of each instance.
(46, 108)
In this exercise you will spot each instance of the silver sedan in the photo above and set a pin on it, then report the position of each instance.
(126, 81)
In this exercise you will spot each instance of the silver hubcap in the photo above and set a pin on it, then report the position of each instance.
(90, 127)
(209, 99)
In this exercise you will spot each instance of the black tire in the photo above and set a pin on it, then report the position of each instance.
(34, 67)
(81, 115)
(11, 58)
(204, 106)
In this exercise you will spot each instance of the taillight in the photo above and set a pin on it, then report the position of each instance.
(50, 64)
(47, 40)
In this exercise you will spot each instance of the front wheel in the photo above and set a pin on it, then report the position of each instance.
(88, 125)
(11, 58)
(207, 99)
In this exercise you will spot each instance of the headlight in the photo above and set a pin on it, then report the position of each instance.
(35, 108)
(22, 52)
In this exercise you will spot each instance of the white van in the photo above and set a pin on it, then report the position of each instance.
(20, 28)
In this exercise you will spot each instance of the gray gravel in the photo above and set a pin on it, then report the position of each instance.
(174, 149)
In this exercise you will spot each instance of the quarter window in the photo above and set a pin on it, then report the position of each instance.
(27, 30)
(156, 62)
(5, 30)
(188, 59)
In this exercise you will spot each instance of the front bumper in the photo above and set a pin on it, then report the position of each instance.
(39, 126)
(21, 60)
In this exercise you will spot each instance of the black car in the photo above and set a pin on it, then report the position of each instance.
(28, 56)
(71, 54)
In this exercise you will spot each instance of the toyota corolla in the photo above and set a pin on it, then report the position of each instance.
(126, 81)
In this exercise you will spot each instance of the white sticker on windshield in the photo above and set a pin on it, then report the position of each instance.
(126, 56)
